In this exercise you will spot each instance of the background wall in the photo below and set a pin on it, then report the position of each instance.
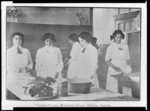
(50, 15)
(104, 23)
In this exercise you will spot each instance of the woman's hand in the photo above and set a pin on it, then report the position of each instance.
(18, 70)
(67, 63)
(92, 77)
(56, 75)
(27, 69)
(128, 62)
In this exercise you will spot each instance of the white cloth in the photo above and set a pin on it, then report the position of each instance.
(118, 54)
(15, 61)
(87, 63)
(74, 54)
(48, 61)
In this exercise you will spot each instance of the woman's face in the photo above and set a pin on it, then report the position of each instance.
(71, 42)
(82, 42)
(118, 38)
(17, 41)
(48, 42)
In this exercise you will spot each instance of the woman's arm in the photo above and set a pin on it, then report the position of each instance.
(74, 53)
(108, 59)
(93, 61)
(37, 62)
(30, 63)
(128, 55)
(11, 67)
(60, 62)
(112, 66)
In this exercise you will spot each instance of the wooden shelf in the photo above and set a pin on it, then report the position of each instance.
(126, 15)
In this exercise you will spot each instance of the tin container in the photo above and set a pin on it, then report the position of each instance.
(63, 87)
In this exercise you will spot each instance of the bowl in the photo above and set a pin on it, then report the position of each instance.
(79, 86)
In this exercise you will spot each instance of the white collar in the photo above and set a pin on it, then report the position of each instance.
(48, 46)
(88, 45)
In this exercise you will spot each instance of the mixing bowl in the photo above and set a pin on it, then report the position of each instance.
(79, 85)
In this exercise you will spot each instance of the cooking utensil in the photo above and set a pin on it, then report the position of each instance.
(66, 62)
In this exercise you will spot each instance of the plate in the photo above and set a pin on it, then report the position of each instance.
(45, 98)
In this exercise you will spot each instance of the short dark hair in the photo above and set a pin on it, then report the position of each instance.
(49, 35)
(115, 33)
(86, 36)
(74, 37)
(19, 34)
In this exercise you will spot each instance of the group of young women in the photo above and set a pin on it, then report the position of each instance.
(83, 62)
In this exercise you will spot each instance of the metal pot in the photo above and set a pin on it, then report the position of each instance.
(79, 86)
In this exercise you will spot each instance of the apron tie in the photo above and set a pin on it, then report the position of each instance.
(19, 50)
(83, 50)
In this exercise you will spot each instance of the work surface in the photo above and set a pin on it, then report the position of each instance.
(96, 94)
(18, 90)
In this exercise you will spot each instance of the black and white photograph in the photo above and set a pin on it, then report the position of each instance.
(74, 55)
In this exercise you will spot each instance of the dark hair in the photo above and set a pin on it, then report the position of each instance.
(115, 33)
(73, 37)
(86, 36)
(49, 35)
(20, 35)
(94, 40)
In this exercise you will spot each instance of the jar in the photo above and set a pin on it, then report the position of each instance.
(63, 87)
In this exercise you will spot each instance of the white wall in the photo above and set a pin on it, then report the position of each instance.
(103, 24)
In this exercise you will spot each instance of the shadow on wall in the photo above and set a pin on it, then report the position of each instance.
(102, 66)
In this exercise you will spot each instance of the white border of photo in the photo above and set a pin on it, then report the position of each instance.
(7, 104)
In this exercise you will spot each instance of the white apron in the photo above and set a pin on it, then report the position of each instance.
(14, 79)
(119, 58)
(48, 62)
(16, 61)
(72, 68)
(81, 73)
(84, 66)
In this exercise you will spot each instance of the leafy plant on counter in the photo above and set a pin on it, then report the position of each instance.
(42, 87)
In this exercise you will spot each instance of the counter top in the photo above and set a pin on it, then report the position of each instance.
(97, 94)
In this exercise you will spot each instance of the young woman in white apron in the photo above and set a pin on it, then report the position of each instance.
(49, 58)
(88, 59)
(19, 62)
(117, 57)
(74, 54)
